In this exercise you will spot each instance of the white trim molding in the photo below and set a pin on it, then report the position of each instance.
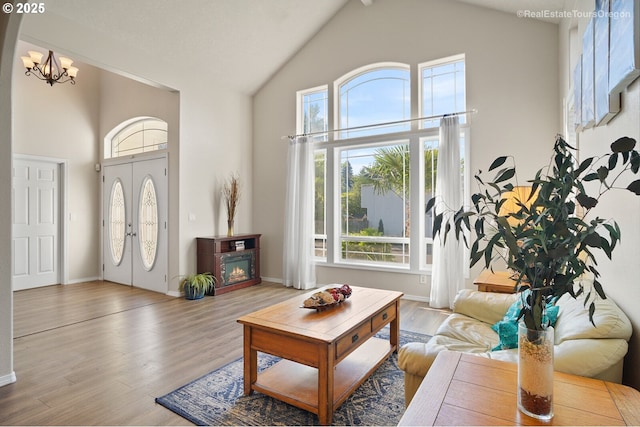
(8, 379)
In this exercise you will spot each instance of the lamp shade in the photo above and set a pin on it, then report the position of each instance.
(65, 63)
(513, 200)
(36, 57)
(27, 62)
(73, 72)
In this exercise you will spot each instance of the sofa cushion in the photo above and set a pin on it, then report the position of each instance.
(463, 333)
(573, 321)
(488, 307)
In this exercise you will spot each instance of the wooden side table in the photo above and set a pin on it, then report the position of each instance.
(499, 281)
(464, 389)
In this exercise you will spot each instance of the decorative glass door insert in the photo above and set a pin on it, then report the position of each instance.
(148, 223)
(117, 222)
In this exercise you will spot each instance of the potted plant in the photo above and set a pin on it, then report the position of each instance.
(195, 286)
(548, 241)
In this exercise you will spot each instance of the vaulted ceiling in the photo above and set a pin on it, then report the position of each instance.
(239, 42)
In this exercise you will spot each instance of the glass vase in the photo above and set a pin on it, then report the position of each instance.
(230, 227)
(535, 372)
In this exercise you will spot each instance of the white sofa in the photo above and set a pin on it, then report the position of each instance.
(580, 348)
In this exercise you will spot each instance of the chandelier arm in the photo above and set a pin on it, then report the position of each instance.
(37, 75)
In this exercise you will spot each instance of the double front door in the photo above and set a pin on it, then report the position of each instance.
(135, 224)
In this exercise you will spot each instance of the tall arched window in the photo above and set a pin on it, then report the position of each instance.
(372, 182)
(137, 136)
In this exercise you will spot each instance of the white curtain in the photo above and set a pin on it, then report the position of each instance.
(298, 266)
(447, 276)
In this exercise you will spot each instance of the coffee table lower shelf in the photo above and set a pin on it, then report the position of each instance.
(297, 384)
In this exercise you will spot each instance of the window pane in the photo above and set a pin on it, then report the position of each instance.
(374, 193)
(320, 205)
(314, 113)
(430, 171)
(315, 119)
(377, 96)
(443, 91)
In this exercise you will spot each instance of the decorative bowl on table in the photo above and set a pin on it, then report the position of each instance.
(327, 298)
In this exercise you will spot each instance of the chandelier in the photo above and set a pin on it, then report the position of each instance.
(51, 71)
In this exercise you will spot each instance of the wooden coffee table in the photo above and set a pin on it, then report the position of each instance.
(463, 389)
(326, 354)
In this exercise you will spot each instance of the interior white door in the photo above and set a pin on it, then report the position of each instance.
(35, 196)
(135, 197)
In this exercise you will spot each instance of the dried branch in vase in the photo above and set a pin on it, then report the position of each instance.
(231, 193)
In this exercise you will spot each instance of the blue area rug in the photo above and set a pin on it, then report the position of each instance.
(217, 398)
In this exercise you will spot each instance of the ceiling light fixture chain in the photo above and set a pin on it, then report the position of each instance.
(50, 71)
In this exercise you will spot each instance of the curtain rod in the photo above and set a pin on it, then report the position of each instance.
(438, 116)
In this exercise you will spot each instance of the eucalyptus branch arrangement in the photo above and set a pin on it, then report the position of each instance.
(231, 194)
(551, 243)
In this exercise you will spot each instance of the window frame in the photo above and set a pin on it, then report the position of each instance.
(108, 152)
(331, 145)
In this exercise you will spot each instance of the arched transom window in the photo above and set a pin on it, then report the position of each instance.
(378, 95)
(139, 136)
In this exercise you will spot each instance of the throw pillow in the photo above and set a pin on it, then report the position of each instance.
(507, 328)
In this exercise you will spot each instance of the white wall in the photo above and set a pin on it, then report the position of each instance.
(512, 80)
(9, 26)
(618, 275)
(61, 121)
(214, 138)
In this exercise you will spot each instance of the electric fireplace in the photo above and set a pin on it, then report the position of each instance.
(233, 260)
(237, 268)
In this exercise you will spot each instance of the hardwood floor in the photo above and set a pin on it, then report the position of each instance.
(98, 353)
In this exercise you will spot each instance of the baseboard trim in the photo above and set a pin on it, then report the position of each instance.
(418, 298)
(83, 280)
(415, 298)
(8, 379)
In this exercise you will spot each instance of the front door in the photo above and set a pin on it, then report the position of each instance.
(135, 224)
(35, 223)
